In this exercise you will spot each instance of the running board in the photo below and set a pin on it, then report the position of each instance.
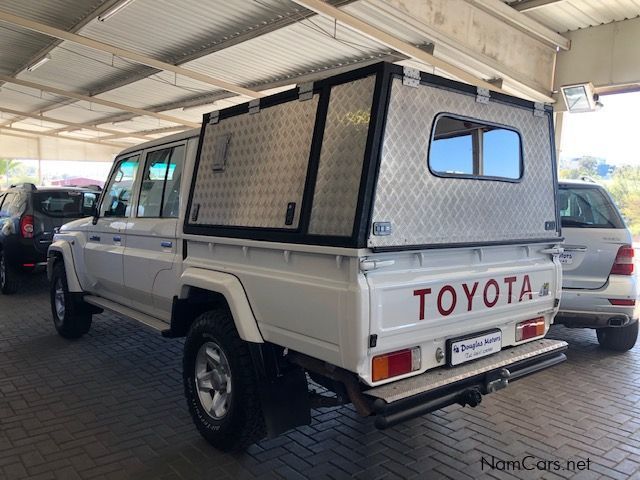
(149, 321)
(441, 377)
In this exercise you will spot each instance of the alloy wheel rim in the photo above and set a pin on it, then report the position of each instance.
(213, 380)
(59, 299)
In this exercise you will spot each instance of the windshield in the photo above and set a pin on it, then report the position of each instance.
(65, 204)
(587, 208)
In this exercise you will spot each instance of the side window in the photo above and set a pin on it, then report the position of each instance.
(160, 190)
(462, 147)
(117, 195)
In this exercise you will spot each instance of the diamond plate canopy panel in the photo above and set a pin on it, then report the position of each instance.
(345, 138)
(428, 210)
(265, 168)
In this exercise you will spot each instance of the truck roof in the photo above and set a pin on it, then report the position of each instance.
(161, 141)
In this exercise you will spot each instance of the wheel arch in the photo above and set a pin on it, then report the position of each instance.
(61, 251)
(201, 290)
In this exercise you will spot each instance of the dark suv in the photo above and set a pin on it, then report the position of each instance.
(28, 217)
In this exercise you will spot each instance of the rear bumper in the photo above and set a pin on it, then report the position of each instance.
(405, 399)
(593, 309)
(22, 255)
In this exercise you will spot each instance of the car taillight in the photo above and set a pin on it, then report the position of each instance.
(26, 226)
(622, 302)
(623, 264)
(530, 329)
(395, 363)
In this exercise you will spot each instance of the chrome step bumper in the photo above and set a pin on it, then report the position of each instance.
(398, 401)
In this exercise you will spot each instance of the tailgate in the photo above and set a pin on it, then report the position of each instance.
(424, 299)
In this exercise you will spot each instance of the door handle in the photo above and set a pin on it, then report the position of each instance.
(117, 238)
(166, 244)
(94, 238)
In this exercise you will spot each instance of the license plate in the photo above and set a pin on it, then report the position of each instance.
(472, 347)
(566, 258)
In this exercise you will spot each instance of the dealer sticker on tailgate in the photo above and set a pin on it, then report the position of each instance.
(472, 347)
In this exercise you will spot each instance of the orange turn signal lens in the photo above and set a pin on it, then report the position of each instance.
(530, 329)
(395, 363)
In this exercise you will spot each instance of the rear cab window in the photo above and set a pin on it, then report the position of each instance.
(469, 148)
(65, 204)
(587, 207)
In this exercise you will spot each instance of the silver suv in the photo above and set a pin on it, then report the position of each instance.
(599, 286)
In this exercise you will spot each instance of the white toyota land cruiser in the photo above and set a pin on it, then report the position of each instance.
(390, 235)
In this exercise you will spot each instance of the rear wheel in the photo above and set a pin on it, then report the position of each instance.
(69, 317)
(8, 277)
(619, 339)
(220, 383)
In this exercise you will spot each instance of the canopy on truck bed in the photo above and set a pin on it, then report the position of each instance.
(381, 157)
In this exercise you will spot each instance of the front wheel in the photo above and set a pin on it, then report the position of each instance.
(619, 339)
(220, 383)
(69, 318)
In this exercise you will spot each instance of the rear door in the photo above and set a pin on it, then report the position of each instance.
(54, 208)
(593, 231)
(152, 232)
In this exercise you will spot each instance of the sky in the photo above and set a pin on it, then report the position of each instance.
(612, 132)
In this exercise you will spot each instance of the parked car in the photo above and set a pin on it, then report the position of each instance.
(600, 286)
(353, 230)
(28, 218)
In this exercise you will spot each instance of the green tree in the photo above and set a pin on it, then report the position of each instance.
(6, 167)
(587, 167)
(625, 190)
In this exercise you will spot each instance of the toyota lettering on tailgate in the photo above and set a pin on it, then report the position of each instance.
(473, 295)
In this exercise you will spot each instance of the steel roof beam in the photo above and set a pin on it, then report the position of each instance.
(508, 14)
(390, 41)
(84, 140)
(529, 5)
(98, 101)
(124, 53)
(79, 126)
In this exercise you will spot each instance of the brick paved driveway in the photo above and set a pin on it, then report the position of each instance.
(111, 406)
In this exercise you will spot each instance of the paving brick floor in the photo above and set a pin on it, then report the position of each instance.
(110, 406)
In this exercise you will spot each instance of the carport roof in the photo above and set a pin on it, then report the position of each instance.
(567, 15)
(258, 46)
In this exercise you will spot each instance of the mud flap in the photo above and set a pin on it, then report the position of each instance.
(284, 392)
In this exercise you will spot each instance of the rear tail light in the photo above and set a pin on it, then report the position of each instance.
(530, 329)
(623, 264)
(395, 363)
(26, 226)
(622, 302)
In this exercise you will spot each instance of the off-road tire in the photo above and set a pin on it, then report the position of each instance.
(619, 339)
(75, 320)
(9, 281)
(243, 423)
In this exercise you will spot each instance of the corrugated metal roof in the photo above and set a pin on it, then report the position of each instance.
(18, 46)
(566, 15)
(278, 46)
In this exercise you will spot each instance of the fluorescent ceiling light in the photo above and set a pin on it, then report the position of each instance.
(113, 10)
(39, 63)
(579, 98)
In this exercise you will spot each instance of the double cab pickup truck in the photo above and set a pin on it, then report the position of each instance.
(386, 234)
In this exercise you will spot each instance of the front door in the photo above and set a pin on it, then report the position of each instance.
(151, 234)
(106, 241)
